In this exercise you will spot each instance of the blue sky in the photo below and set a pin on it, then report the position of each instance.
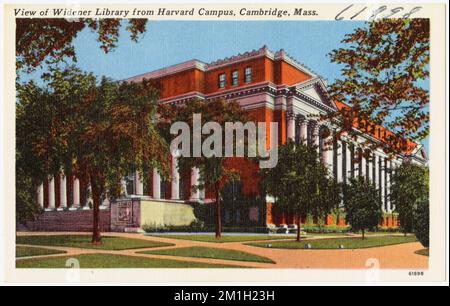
(170, 42)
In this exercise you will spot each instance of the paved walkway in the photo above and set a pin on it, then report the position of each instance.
(400, 256)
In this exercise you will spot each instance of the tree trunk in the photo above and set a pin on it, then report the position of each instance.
(96, 234)
(363, 234)
(299, 219)
(218, 214)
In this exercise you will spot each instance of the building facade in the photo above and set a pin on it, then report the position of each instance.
(272, 87)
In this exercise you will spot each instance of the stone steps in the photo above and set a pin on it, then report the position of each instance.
(75, 220)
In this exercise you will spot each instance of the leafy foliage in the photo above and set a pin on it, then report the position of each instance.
(214, 173)
(26, 204)
(30, 124)
(422, 222)
(384, 63)
(98, 131)
(409, 187)
(362, 205)
(300, 183)
(50, 40)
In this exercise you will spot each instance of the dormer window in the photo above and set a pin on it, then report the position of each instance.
(235, 78)
(222, 80)
(248, 75)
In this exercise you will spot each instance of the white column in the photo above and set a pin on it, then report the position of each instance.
(340, 156)
(89, 196)
(394, 164)
(383, 189)
(303, 131)
(138, 184)
(388, 186)
(324, 152)
(40, 195)
(156, 184)
(363, 166)
(315, 134)
(175, 183)
(105, 203)
(51, 194)
(195, 175)
(76, 193)
(376, 175)
(291, 127)
(370, 162)
(329, 157)
(123, 188)
(62, 192)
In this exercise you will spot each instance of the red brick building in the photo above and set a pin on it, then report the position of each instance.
(272, 87)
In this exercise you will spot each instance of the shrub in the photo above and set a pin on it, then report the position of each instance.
(312, 229)
(422, 222)
(409, 185)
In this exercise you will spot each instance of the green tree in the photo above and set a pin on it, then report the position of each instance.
(385, 63)
(50, 40)
(214, 173)
(422, 222)
(409, 186)
(97, 131)
(30, 125)
(300, 183)
(362, 205)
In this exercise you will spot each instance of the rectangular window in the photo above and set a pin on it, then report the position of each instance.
(248, 75)
(222, 80)
(235, 78)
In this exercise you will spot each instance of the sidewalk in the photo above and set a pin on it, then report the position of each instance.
(401, 256)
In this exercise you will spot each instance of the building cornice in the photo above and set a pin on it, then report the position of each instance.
(301, 95)
(192, 64)
(199, 65)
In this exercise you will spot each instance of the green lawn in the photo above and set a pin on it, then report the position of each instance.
(92, 261)
(83, 241)
(334, 243)
(316, 235)
(423, 252)
(216, 253)
(225, 238)
(23, 251)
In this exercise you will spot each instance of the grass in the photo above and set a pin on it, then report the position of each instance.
(423, 252)
(314, 235)
(23, 251)
(334, 243)
(92, 261)
(84, 242)
(225, 238)
(216, 253)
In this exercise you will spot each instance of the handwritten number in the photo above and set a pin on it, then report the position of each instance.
(394, 11)
(338, 16)
(415, 9)
(376, 13)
